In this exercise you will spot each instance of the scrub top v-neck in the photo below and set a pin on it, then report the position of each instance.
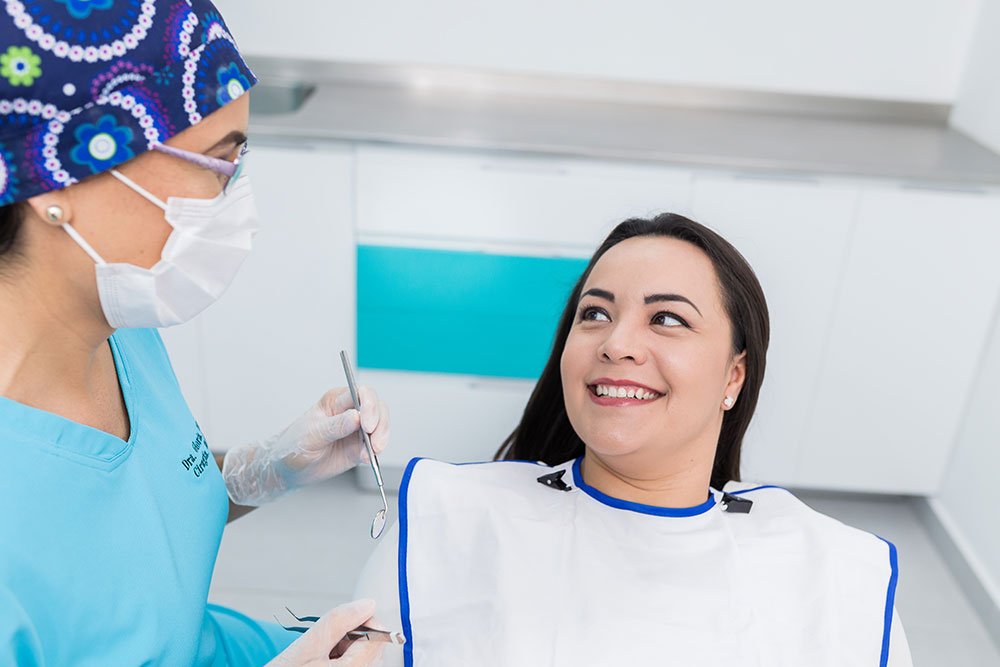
(107, 546)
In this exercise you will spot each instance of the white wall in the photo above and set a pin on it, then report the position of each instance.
(968, 494)
(977, 107)
(891, 49)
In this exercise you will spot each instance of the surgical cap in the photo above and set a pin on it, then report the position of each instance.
(86, 85)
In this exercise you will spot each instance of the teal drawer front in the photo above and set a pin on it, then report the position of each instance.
(443, 311)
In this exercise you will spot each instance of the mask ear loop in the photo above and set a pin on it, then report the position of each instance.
(87, 248)
(143, 192)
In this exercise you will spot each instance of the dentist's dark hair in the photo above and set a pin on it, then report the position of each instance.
(545, 433)
(11, 217)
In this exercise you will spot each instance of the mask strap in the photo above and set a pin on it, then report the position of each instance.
(87, 248)
(138, 188)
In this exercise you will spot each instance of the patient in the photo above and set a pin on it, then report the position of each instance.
(615, 529)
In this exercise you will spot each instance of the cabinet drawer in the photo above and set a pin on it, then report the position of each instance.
(470, 313)
(411, 193)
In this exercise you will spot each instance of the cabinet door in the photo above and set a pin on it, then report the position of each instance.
(921, 286)
(486, 199)
(456, 418)
(795, 235)
(270, 347)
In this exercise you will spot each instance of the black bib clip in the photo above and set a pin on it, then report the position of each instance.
(554, 481)
(735, 504)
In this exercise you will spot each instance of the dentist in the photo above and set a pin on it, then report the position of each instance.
(124, 207)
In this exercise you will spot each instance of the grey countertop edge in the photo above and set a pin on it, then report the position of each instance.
(922, 152)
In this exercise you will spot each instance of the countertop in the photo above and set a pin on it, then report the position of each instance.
(918, 147)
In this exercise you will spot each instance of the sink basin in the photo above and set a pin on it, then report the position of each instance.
(274, 98)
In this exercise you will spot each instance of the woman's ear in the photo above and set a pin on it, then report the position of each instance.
(737, 375)
(52, 208)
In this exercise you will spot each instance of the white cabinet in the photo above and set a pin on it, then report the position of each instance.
(270, 348)
(795, 236)
(437, 197)
(455, 418)
(919, 292)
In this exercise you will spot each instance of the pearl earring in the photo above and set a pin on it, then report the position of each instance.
(55, 213)
(728, 402)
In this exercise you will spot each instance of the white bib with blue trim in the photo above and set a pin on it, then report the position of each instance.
(497, 568)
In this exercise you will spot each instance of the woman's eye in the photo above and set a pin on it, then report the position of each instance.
(668, 320)
(594, 315)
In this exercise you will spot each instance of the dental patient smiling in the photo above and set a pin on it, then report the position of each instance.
(634, 337)
(615, 529)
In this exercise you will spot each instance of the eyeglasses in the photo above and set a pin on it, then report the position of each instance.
(231, 170)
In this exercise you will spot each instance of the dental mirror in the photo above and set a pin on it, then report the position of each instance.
(378, 523)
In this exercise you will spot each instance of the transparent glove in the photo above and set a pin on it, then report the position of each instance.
(313, 648)
(323, 442)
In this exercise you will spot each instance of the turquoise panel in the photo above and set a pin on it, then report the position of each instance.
(444, 311)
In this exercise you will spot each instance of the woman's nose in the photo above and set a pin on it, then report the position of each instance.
(623, 343)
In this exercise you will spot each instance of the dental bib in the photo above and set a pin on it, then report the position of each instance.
(516, 563)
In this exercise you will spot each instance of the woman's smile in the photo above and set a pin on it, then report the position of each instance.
(621, 393)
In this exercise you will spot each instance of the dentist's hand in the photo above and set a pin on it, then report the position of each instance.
(313, 648)
(323, 442)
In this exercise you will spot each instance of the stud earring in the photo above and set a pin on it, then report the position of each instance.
(55, 213)
(728, 402)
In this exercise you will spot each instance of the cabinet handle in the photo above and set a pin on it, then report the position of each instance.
(524, 169)
(944, 187)
(511, 385)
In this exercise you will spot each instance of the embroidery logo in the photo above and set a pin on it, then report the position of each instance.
(198, 460)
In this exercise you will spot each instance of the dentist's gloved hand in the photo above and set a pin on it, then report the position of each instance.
(313, 648)
(323, 442)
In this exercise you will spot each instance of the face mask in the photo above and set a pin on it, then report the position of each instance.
(209, 241)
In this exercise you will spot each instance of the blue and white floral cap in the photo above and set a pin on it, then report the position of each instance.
(86, 85)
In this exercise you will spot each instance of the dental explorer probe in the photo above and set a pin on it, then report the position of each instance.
(378, 523)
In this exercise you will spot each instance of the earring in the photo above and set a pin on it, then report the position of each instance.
(55, 213)
(728, 402)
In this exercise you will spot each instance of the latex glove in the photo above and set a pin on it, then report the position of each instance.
(323, 442)
(313, 648)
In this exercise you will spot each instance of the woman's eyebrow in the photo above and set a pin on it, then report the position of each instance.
(234, 138)
(600, 294)
(656, 298)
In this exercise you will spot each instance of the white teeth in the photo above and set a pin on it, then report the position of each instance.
(624, 392)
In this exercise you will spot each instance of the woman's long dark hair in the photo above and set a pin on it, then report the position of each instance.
(545, 433)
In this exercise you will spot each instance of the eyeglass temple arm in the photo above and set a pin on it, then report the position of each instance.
(215, 164)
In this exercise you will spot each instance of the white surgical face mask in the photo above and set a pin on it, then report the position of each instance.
(209, 241)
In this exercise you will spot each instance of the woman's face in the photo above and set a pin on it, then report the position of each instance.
(650, 324)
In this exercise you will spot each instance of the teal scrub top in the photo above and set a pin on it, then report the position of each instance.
(107, 547)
